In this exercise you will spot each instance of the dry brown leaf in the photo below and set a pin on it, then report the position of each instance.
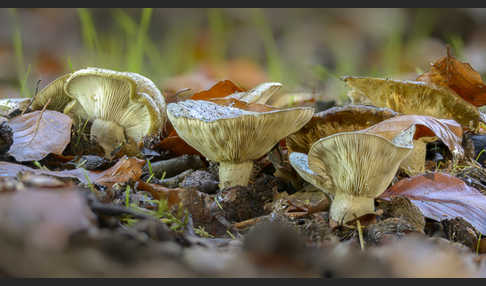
(36, 134)
(221, 89)
(124, 170)
(175, 144)
(44, 219)
(448, 131)
(414, 97)
(458, 76)
(441, 196)
(173, 196)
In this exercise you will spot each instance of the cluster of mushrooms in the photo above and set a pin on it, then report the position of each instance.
(340, 155)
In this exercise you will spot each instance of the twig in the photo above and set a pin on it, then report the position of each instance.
(113, 210)
(175, 166)
(479, 243)
(39, 120)
(360, 235)
(33, 97)
(248, 222)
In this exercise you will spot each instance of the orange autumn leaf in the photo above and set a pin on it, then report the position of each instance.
(458, 76)
(221, 89)
(160, 192)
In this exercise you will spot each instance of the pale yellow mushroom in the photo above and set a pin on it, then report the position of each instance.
(233, 136)
(123, 107)
(353, 168)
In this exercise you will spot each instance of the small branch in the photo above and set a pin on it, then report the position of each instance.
(33, 97)
(248, 222)
(360, 235)
(39, 120)
(175, 166)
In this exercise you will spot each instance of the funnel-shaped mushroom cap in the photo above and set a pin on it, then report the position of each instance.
(413, 97)
(120, 105)
(360, 166)
(336, 120)
(226, 133)
(55, 92)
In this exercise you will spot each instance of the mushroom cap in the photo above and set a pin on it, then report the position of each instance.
(55, 91)
(300, 163)
(130, 100)
(414, 97)
(228, 133)
(259, 94)
(360, 164)
(335, 120)
(8, 105)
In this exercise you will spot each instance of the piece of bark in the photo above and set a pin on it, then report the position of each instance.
(387, 230)
(6, 137)
(402, 207)
(173, 182)
(459, 230)
(202, 181)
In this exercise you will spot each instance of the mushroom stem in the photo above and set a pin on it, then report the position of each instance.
(108, 134)
(345, 208)
(234, 174)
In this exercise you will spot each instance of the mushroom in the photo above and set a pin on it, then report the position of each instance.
(55, 92)
(9, 105)
(123, 107)
(336, 120)
(353, 168)
(233, 132)
(414, 97)
(259, 94)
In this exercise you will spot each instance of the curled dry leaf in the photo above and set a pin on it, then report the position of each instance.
(427, 127)
(414, 97)
(458, 76)
(124, 170)
(38, 133)
(448, 131)
(44, 219)
(441, 196)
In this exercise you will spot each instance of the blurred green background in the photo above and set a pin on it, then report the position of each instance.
(305, 49)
